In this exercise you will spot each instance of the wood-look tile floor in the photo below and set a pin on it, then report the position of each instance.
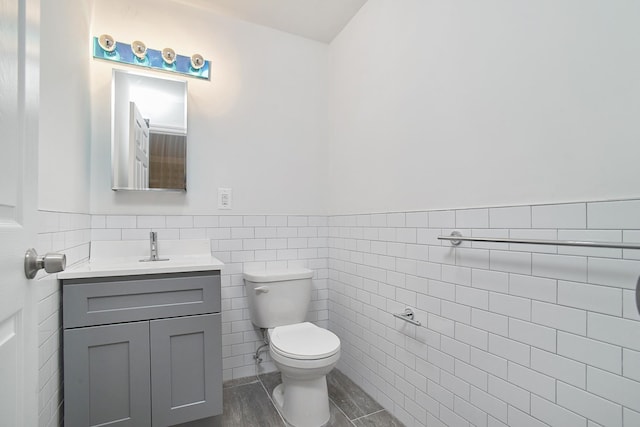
(247, 402)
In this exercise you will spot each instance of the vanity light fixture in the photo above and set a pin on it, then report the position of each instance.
(107, 43)
(197, 61)
(169, 55)
(139, 49)
(137, 53)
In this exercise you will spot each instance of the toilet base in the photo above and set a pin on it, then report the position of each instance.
(303, 403)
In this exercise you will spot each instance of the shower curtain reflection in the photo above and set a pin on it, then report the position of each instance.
(167, 161)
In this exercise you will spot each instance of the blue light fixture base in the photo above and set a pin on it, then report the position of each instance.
(153, 60)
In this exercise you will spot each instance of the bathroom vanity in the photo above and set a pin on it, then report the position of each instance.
(142, 340)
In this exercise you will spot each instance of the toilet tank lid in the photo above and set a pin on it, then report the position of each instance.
(295, 273)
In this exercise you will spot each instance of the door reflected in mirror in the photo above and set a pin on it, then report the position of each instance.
(148, 132)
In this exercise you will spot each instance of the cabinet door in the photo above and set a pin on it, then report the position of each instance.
(106, 376)
(186, 369)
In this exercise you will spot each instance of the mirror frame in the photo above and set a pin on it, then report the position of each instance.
(116, 71)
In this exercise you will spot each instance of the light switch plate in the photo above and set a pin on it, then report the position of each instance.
(224, 198)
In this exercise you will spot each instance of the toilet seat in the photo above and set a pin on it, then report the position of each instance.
(304, 341)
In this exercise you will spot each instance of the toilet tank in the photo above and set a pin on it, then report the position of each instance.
(279, 297)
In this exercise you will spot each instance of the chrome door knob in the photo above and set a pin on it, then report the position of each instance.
(52, 262)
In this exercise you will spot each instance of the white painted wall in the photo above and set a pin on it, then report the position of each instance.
(459, 104)
(259, 126)
(63, 176)
(63, 181)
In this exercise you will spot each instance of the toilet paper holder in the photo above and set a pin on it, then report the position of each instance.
(407, 316)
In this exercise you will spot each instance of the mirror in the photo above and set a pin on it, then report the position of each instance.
(148, 132)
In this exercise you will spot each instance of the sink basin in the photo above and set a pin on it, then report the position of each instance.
(122, 258)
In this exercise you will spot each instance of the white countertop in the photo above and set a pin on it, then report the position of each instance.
(122, 258)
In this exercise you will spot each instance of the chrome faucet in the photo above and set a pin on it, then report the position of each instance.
(153, 249)
(153, 241)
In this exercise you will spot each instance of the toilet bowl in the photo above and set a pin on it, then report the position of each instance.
(303, 352)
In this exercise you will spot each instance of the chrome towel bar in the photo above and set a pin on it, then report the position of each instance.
(456, 238)
(407, 316)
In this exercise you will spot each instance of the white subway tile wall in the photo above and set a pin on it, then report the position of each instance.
(241, 242)
(517, 335)
(511, 335)
(60, 232)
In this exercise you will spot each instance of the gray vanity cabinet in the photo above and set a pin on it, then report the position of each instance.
(142, 350)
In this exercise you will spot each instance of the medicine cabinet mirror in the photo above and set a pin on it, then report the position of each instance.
(148, 132)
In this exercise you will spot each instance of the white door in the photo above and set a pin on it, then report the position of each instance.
(139, 149)
(19, 76)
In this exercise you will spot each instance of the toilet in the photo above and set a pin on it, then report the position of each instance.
(303, 352)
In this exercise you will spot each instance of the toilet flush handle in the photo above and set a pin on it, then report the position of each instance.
(262, 289)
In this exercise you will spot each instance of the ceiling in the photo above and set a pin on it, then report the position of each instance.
(319, 20)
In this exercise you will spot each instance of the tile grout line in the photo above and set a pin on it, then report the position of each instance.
(343, 413)
(368, 415)
(240, 385)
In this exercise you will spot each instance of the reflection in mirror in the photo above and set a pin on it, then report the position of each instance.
(148, 132)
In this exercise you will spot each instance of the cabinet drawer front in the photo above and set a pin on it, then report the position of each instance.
(104, 301)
